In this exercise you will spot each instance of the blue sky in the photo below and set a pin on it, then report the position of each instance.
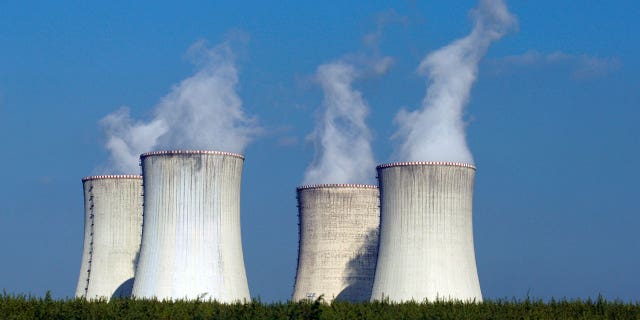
(552, 127)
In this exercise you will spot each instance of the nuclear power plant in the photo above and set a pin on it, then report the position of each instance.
(177, 229)
(408, 238)
(112, 231)
(426, 234)
(338, 242)
(191, 239)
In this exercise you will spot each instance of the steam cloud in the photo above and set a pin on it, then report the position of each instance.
(203, 111)
(436, 132)
(342, 138)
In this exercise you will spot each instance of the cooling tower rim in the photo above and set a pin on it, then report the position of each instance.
(190, 152)
(336, 185)
(113, 176)
(426, 163)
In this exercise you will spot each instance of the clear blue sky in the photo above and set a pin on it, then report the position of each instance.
(553, 127)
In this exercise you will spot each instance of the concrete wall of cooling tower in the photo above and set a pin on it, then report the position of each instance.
(112, 232)
(338, 242)
(426, 234)
(191, 240)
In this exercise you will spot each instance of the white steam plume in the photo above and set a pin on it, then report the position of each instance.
(203, 111)
(342, 138)
(436, 132)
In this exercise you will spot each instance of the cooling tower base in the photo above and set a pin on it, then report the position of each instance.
(338, 242)
(191, 240)
(113, 226)
(426, 234)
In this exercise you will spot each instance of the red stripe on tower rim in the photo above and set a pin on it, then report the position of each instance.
(336, 185)
(426, 163)
(190, 152)
(112, 176)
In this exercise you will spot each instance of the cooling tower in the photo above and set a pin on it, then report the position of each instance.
(112, 231)
(191, 241)
(338, 242)
(426, 233)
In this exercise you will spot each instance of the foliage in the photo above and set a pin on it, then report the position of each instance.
(30, 307)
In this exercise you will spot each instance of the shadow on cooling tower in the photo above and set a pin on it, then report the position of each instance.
(361, 271)
(124, 289)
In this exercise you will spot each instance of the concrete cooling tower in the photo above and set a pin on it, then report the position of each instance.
(112, 231)
(426, 234)
(338, 242)
(191, 241)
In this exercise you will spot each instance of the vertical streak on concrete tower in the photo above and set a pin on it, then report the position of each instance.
(191, 240)
(426, 233)
(112, 232)
(338, 241)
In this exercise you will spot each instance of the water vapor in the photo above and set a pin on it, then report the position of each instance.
(343, 141)
(203, 111)
(436, 132)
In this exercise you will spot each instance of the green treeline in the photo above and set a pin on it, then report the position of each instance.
(26, 307)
